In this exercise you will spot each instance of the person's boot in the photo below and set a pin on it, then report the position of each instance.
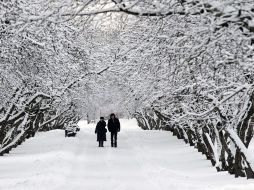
(115, 144)
(112, 145)
(102, 144)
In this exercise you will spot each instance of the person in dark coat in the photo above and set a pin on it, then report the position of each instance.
(101, 131)
(114, 128)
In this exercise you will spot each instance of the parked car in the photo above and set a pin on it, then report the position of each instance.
(71, 130)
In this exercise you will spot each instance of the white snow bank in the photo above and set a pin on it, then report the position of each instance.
(151, 160)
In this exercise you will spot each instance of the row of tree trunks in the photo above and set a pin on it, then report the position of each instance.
(27, 114)
(212, 141)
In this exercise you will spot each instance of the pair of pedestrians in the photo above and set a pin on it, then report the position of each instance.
(113, 127)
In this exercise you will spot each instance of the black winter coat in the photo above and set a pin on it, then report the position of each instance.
(101, 131)
(113, 125)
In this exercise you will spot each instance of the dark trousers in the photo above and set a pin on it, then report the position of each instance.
(100, 143)
(113, 139)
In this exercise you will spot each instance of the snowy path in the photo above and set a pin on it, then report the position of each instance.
(150, 160)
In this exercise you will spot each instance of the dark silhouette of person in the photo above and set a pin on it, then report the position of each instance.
(101, 131)
(114, 128)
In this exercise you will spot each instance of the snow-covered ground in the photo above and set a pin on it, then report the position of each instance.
(151, 160)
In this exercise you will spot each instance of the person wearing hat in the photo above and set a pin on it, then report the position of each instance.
(101, 131)
(114, 128)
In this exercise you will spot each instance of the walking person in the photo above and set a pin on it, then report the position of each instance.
(114, 128)
(101, 131)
